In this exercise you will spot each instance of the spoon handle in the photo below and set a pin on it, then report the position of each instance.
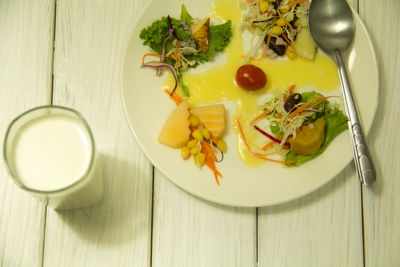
(364, 165)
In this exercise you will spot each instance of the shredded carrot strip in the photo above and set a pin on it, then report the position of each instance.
(177, 54)
(174, 97)
(291, 29)
(306, 105)
(279, 13)
(216, 173)
(267, 145)
(265, 50)
(210, 160)
(272, 142)
(288, 40)
(254, 153)
(260, 116)
(296, 2)
(317, 103)
(206, 147)
(291, 88)
(149, 54)
(268, 41)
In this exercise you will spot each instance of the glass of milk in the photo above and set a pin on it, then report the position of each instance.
(50, 152)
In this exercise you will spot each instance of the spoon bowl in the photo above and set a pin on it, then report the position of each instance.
(332, 27)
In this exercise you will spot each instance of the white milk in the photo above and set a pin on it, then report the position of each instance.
(53, 153)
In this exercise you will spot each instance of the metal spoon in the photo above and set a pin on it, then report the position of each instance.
(332, 28)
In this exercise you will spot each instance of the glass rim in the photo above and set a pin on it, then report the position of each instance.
(15, 176)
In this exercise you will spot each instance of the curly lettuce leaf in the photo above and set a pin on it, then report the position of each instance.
(307, 96)
(336, 122)
(185, 16)
(155, 34)
(220, 36)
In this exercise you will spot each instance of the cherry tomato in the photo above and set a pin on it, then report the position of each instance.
(250, 77)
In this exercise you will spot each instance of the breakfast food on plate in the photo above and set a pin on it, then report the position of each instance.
(199, 32)
(176, 132)
(198, 132)
(251, 77)
(288, 126)
(183, 43)
(297, 126)
(309, 138)
(279, 23)
(305, 46)
(212, 117)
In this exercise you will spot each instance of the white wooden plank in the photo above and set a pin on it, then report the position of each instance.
(90, 40)
(382, 203)
(26, 30)
(321, 229)
(188, 231)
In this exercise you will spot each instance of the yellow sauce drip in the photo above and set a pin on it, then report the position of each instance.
(218, 84)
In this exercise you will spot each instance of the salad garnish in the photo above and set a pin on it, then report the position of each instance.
(291, 128)
(278, 24)
(186, 130)
(298, 126)
(183, 43)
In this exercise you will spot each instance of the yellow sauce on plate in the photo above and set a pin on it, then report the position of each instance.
(218, 84)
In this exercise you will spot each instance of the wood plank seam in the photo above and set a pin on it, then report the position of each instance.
(43, 237)
(151, 219)
(357, 7)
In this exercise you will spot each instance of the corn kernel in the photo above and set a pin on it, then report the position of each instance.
(297, 23)
(263, 5)
(277, 30)
(281, 22)
(206, 134)
(192, 143)
(185, 152)
(197, 135)
(195, 150)
(291, 54)
(201, 158)
(222, 145)
(194, 121)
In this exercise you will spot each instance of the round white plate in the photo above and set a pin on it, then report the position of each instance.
(147, 108)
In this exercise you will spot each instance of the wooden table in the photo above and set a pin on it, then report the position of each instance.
(69, 52)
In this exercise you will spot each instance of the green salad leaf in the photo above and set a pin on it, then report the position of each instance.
(275, 129)
(185, 16)
(307, 96)
(155, 34)
(336, 122)
(219, 38)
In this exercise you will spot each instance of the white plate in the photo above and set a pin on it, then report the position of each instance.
(147, 108)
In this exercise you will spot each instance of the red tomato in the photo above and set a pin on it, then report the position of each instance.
(251, 77)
